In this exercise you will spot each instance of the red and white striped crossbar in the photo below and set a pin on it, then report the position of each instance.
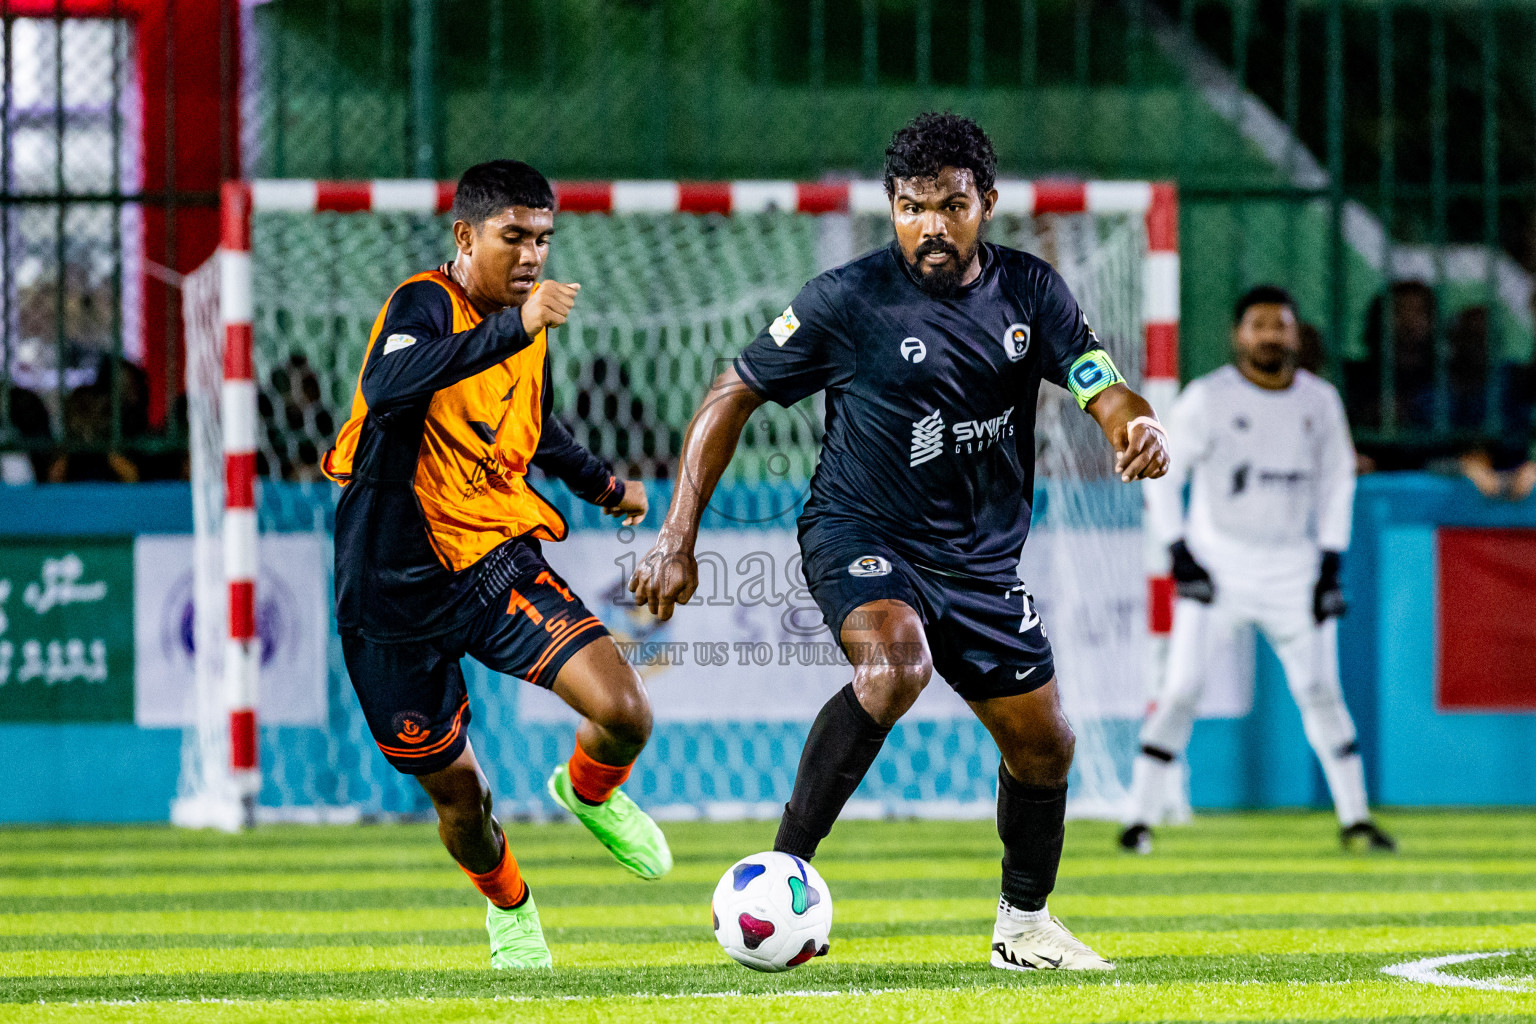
(424, 196)
(1156, 201)
(238, 416)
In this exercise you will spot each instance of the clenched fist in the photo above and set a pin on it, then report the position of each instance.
(548, 306)
(1141, 450)
(632, 505)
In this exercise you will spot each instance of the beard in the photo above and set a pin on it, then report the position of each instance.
(1270, 358)
(940, 282)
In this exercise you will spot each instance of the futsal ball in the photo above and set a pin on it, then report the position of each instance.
(772, 912)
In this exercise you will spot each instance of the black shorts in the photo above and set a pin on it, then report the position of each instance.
(986, 637)
(413, 693)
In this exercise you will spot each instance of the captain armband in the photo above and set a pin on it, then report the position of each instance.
(1092, 373)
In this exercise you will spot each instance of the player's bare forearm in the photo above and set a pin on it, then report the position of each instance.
(707, 449)
(1130, 425)
(668, 574)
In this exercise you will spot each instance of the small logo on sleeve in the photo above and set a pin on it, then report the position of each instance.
(869, 565)
(1016, 341)
(786, 324)
(396, 342)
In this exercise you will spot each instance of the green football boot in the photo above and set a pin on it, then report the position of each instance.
(619, 824)
(517, 939)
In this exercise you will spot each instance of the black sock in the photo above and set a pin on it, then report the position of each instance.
(1031, 821)
(843, 743)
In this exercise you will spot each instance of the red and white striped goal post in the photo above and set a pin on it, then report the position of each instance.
(1157, 202)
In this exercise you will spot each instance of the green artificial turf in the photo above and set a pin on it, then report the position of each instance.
(1241, 917)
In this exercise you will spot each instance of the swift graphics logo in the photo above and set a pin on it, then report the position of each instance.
(978, 435)
(927, 438)
(1240, 478)
(913, 350)
(969, 436)
(1245, 475)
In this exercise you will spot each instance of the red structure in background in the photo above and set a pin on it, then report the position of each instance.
(186, 56)
(1486, 620)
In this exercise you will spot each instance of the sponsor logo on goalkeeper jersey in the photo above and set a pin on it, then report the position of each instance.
(1244, 475)
(785, 325)
(396, 342)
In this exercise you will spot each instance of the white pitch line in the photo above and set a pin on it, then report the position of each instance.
(1428, 972)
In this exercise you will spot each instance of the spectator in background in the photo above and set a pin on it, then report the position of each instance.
(1412, 404)
(1486, 431)
(1490, 405)
(88, 421)
(26, 417)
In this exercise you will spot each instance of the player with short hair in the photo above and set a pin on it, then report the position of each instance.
(919, 508)
(1266, 450)
(437, 545)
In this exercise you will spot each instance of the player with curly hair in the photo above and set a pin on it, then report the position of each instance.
(931, 352)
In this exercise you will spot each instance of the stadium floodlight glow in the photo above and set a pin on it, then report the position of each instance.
(223, 310)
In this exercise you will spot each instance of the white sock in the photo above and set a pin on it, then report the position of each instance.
(1149, 783)
(1013, 913)
(1346, 784)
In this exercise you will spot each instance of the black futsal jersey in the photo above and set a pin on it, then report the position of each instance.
(930, 406)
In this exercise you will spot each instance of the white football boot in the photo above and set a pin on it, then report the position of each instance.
(1025, 942)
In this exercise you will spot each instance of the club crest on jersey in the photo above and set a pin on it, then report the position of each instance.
(412, 726)
(913, 350)
(785, 325)
(869, 565)
(1016, 341)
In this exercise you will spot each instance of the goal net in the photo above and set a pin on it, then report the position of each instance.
(676, 279)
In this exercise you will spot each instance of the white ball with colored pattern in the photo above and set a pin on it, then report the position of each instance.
(772, 912)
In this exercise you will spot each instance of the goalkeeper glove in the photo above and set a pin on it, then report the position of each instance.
(1328, 596)
(1189, 577)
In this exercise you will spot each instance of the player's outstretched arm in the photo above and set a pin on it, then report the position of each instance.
(668, 574)
(1127, 419)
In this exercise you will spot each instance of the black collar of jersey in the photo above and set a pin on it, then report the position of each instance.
(984, 253)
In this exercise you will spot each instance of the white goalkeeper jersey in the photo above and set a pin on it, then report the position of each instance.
(1271, 474)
